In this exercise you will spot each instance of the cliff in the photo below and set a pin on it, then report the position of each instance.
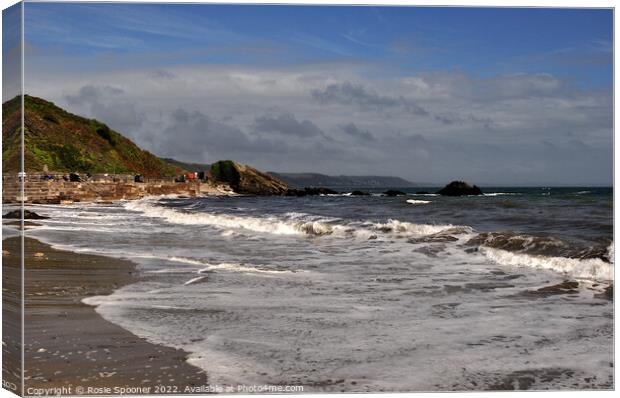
(247, 180)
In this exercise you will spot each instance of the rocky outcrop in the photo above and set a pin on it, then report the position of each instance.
(459, 188)
(247, 180)
(359, 193)
(28, 215)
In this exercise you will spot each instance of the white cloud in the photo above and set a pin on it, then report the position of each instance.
(426, 127)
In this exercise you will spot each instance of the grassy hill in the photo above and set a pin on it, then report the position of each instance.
(187, 165)
(69, 143)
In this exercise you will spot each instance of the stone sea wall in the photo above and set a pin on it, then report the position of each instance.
(58, 191)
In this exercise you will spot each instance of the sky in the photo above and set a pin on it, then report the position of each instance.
(494, 96)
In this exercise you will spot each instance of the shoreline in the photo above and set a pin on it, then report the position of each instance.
(69, 345)
(542, 292)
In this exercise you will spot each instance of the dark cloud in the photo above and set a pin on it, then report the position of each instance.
(190, 135)
(503, 129)
(92, 94)
(355, 132)
(352, 94)
(107, 104)
(288, 125)
(195, 136)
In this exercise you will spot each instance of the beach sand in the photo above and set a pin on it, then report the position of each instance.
(68, 344)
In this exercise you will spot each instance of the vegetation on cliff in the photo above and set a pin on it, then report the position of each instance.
(65, 142)
(188, 165)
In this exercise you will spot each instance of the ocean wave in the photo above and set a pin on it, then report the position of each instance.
(294, 224)
(541, 245)
(267, 224)
(500, 193)
(418, 202)
(207, 266)
(592, 268)
(411, 228)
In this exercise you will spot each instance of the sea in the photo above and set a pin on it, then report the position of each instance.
(365, 293)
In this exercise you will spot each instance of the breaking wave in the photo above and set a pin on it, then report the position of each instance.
(542, 245)
(294, 224)
(592, 268)
(418, 202)
(516, 250)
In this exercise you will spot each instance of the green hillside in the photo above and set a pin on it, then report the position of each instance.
(187, 165)
(69, 143)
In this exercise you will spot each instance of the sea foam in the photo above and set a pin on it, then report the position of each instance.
(418, 202)
(592, 268)
(295, 224)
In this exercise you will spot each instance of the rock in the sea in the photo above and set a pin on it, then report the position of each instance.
(359, 193)
(28, 215)
(247, 180)
(459, 188)
(393, 192)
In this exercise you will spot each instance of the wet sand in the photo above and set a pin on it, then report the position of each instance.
(67, 344)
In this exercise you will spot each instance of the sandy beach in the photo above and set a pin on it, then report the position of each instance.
(68, 345)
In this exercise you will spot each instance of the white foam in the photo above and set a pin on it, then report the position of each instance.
(418, 202)
(500, 193)
(272, 225)
(267, 224)
(195, 280)
(592, 268)
(410, 228)
(236, 267)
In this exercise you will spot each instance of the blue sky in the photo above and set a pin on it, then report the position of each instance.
(532, 86)
(482, 41)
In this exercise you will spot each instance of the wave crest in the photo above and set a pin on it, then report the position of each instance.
(293, 224)
(541, 245)
(593, 268)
